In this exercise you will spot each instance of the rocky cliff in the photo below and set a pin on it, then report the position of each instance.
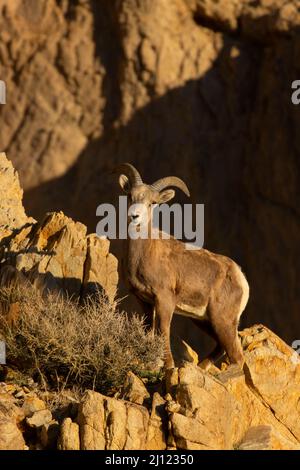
(193, 87)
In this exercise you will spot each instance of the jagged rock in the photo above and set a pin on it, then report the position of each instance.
(69, 436)
(32, 404)
(227, 409)
(157, 428)
(190, 434)
(10, 436)
(266, 438)
(205, 408)
(189, 354)
(217, 411)
(39, 418)
(275, 376)
(171, 405)
(55, 253)
(10, 417)
(108, 423)
(182, 351)
(12, 213)
(248, 409)
(101, 267)
(134, 389)
(49, 434)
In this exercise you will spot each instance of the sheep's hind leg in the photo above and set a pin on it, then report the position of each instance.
(225, 327)
(218, 352)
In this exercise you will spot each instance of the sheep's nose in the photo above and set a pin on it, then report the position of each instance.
(134, 216)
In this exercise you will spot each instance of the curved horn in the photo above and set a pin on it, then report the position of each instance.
(131, 172)
(163, 183)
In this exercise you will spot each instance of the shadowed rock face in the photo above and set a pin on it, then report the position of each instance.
(197, 88)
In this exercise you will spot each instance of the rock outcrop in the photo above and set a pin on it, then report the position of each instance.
(134, 390)
(12, 212)
(10, 417)
(56, 253)
(223, 408)
(69, 436)
(230, 409)
(107, 423)
(112, 424)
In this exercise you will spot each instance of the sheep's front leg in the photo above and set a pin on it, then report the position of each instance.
(164, 309)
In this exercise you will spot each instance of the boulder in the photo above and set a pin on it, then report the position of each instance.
(48, 435)
(254, 408)
(39, 419)
(182, 351)
(266, 438)
(69, 436)
(205, 408)
(11, 437)
(157, 428)
(249, 410)
(101, 267)
(134, 389)
(108, 423)
(275, 375)
(32, 404)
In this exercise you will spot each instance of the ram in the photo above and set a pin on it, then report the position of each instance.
(207, 287)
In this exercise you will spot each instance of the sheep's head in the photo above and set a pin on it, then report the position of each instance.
(144, 197)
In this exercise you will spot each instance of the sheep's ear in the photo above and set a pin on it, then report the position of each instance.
(166, 196)
(125, 184)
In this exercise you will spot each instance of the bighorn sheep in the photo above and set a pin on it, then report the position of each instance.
(209, 288)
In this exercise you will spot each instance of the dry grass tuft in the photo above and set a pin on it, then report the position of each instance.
(91, 345)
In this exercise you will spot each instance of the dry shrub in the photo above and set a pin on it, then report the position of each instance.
(91, 345)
